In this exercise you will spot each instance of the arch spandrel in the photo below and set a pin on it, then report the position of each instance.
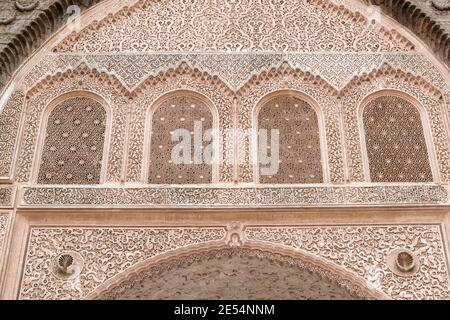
(351, 255)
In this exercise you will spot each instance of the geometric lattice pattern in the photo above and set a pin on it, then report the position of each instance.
(74, 141)
(299, 140)
(395, 141)
(177, 114)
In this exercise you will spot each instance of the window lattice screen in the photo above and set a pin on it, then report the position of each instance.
(395, 141)
(178, 113)
(73, 148)
(299, 137)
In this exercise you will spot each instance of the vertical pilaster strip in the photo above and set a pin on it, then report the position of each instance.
(10, 117)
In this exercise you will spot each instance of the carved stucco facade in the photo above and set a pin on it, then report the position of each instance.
(130, 57)
(26, 24)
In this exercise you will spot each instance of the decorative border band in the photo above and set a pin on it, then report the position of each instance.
(291, 196)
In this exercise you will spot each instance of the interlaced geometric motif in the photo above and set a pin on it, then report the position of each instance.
(186, 113)
(395, 141)
(73, 149)
(299, 140)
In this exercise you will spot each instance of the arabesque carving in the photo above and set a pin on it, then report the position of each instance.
(364, 250)
(281, 78)
(201, 25)
(35, 23)
(234, 55)
(4, 225)
(106, 253)
(10, 116)
(236, 69)
(294, 196)
(5, 222)
(183, 78)
(286, 78)
(7, 196)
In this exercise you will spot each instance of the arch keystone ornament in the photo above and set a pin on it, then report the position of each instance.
(235, 235)
(95, 204)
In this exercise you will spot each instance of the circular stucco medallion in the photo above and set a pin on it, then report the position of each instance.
(67, 264)
(403, 262)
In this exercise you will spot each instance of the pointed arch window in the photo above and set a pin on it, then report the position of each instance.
(181, 138)
(74, 143)
(296, 123)
(395, 141)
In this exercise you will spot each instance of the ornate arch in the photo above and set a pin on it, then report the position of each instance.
(81, 79)
(388, 78)
(181, 78)
(321, 126)
(360, 252)
(44, 126)
(424, 121)
(149, 123)
(286, 78)
(294, 258)
(130, 70)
